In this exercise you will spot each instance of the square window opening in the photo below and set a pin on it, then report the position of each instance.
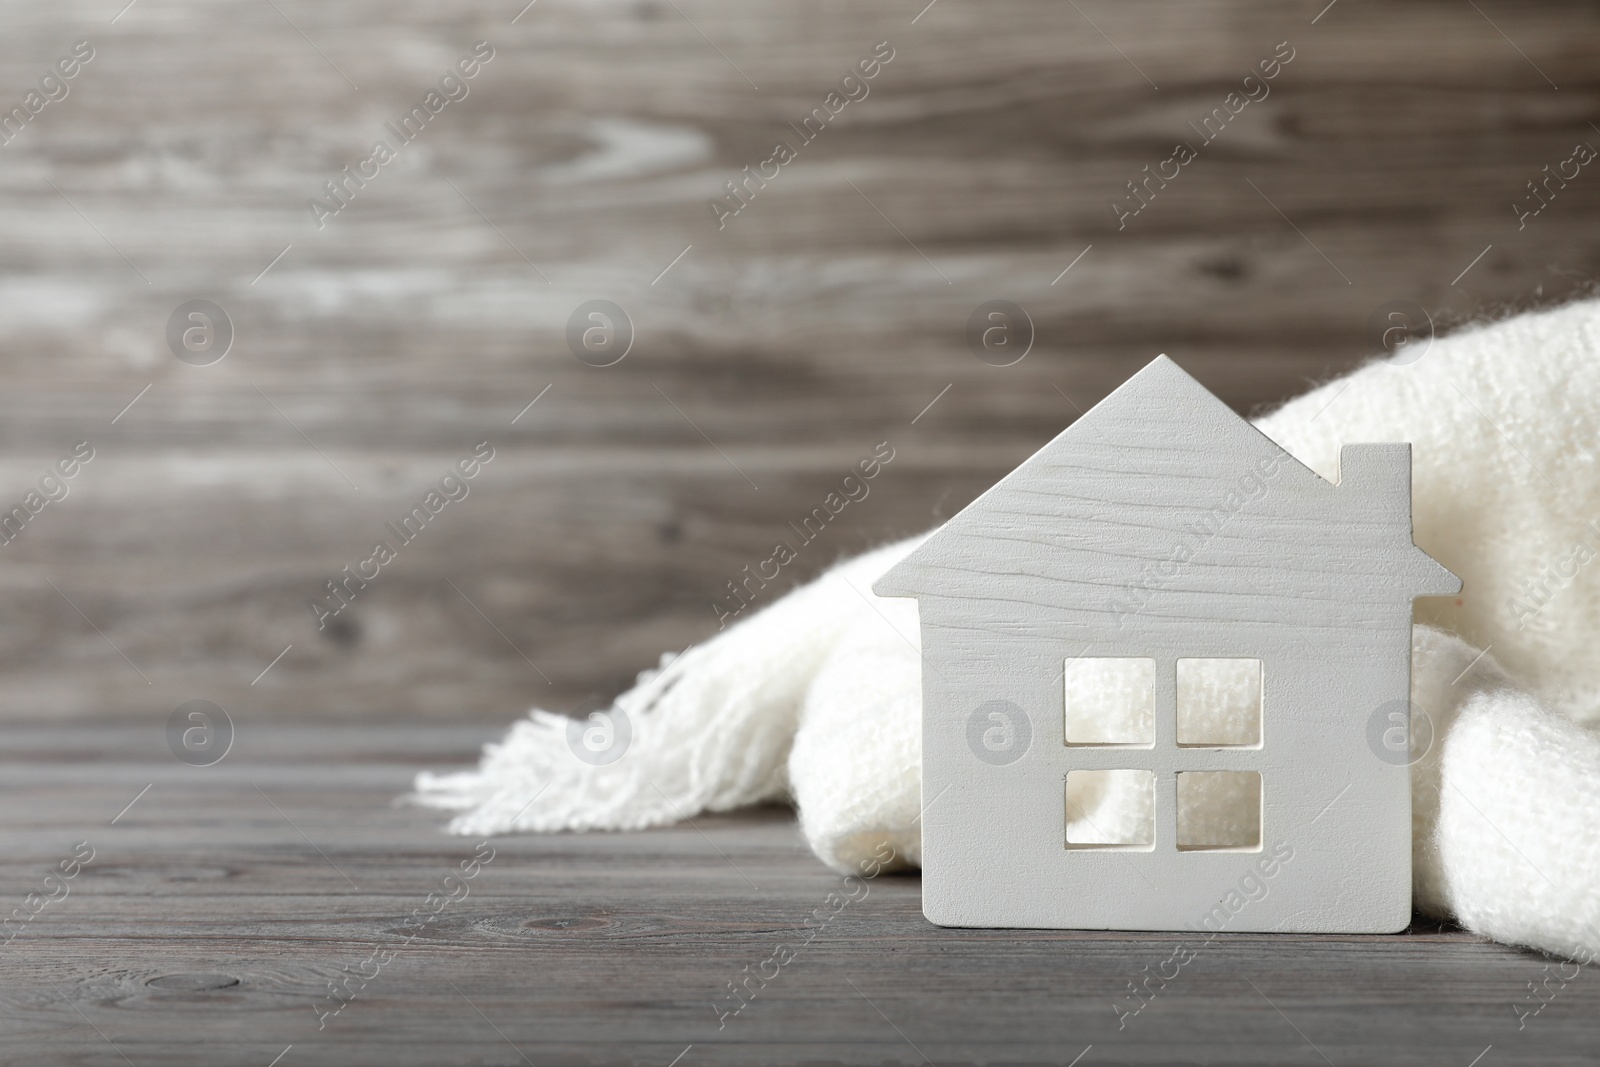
(1110, 701)
(1219, 703)
(1219, 811)
(1111, 809)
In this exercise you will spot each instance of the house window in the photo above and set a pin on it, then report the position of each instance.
(1111, 809)
(1217, 703)
(1110, 701)
(1219, 810)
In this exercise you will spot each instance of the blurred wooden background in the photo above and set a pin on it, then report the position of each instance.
(822, 319)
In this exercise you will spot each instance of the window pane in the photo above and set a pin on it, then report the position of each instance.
(1219, 702)
(1110, 702)
(1111, 809)
(1219, 810)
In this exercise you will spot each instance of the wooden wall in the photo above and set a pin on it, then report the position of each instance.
(822, 319)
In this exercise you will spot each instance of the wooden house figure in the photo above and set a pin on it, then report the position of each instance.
(1154, 658)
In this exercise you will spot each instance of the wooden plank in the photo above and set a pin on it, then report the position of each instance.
(820, 320)
(207, 924)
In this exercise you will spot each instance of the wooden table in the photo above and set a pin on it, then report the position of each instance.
(218, 907)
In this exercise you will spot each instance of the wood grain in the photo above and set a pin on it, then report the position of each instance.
(209, 922)
(1164, 527)
(822, 319)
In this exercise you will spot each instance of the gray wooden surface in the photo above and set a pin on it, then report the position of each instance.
(218, 907)
(829, 315)
(822, 319)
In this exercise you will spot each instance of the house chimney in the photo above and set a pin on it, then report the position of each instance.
(1379, 479)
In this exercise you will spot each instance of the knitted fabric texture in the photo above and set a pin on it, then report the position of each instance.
(817, 698)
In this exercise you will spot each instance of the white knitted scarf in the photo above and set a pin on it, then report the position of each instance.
(816, 699)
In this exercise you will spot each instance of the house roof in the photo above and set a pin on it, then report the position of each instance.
(1162, 494)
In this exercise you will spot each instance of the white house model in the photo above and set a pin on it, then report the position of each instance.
(1154, 658)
